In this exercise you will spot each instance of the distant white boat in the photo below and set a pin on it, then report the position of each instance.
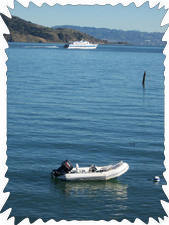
(81, 45)
(67, 172)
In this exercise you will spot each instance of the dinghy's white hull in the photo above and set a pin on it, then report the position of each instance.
(102, 173)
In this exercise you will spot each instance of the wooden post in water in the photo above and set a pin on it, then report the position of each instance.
(143, 81)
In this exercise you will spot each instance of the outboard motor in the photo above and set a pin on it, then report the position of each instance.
(65, 167)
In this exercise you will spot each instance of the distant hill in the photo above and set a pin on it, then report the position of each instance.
(24, 31)
(113, 35)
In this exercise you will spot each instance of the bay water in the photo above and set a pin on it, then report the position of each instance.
(87, 106)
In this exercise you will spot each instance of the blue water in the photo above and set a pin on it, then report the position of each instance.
(87, 106)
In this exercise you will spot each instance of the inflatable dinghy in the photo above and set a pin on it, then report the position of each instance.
(67, 172)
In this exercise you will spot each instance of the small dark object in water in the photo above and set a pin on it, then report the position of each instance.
(143, 81)
(156, 179)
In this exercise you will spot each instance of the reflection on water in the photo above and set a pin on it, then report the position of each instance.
(111, 188)
(92, 198)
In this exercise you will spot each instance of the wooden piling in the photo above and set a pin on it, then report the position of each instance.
(143, 81)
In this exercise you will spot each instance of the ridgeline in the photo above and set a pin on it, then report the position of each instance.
(25, 31)
(115, 36)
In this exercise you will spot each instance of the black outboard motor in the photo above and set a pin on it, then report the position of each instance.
(65, 167)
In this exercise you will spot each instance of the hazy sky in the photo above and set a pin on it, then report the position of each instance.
(114, 17)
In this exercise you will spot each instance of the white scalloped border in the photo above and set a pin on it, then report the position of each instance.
(4, 5)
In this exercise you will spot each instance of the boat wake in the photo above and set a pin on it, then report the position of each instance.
(36, 46)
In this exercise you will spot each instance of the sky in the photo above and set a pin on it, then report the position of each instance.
(113, 17)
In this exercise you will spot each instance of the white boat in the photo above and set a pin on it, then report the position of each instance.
(67, 172)
(81, 45)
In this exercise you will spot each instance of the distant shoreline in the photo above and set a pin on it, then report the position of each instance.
(109, 43)
(62, 43)
(28, 32)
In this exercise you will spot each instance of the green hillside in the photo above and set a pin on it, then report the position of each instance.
(24, 31)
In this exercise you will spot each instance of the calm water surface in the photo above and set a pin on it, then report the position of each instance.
(89, 107)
